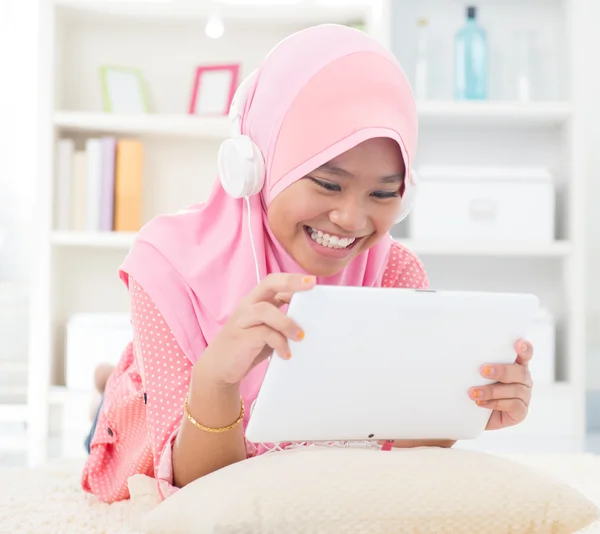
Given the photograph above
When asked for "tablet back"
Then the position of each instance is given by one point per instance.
(381, 363)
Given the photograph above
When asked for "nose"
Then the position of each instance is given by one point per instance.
(350, 215)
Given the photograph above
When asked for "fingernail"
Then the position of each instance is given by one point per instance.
(524, 348)
(308, 280)
(300, 335)
(480, 403)
(288, 355)
(487, 370)
(476, 393)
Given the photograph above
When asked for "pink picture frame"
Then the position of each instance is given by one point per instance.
(213, 89)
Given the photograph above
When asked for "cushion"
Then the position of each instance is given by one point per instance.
(334, 490)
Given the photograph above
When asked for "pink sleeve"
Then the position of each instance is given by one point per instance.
(404, 270)
(166, 373)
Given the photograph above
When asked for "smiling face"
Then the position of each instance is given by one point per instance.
(341, 209)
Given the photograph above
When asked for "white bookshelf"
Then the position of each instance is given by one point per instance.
(76, 272)
(544, 132)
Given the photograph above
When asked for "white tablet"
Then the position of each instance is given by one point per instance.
(383, 363)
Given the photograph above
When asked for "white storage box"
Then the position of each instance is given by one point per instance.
(485, 204)
(542, 336)
(93, 339)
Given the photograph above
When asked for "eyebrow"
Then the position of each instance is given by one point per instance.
(343, 173)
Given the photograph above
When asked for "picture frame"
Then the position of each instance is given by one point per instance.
(124, 90)
(213, 89)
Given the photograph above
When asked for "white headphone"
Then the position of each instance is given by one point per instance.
(241, 164)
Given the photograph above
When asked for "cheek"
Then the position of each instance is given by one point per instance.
(291, 209)
(384, 217)
(286, 214)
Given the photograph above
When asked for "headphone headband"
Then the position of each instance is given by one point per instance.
(236, 109)
(241, 164)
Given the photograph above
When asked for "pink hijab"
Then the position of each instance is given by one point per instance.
(317, 94)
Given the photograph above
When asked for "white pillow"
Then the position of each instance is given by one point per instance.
(334, 490)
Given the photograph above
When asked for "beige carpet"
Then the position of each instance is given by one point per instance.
(49, 500)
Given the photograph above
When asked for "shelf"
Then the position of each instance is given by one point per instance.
(61, 395)
(124, 240)
(13, 443)
(110, 240)
(297, 13)
(13, 391)
(558, 249)
(494, 113)
(12, 366)
(13, 413)
(217, 128)
(150, 125)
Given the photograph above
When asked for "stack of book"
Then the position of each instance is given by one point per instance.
(99, 189)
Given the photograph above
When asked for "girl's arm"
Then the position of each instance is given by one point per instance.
(197, 452)
(180, 452)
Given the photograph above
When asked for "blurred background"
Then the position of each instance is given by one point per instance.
(113, 111)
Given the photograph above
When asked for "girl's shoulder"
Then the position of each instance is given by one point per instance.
(404, 269)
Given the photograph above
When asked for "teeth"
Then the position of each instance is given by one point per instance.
(330, 241)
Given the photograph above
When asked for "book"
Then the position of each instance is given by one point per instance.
(107, 183)
(128, 186)
(93, 149)
(64, 178)
(78, 196)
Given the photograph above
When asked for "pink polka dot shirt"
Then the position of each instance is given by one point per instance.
(143, 401)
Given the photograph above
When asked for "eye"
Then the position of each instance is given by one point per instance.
(329, 186)
(386, 194)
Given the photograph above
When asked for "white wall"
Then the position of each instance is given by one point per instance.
(18, 172)
(592, 109)
(18, 109)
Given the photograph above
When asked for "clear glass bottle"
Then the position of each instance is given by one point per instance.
(421, 67)
(471, 60)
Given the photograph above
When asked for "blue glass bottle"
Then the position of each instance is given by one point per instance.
(471, 60)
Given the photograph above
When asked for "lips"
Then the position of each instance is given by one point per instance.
(329, 240)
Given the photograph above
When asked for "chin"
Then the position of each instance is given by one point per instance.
(324, 267)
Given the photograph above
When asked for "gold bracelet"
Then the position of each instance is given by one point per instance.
(214, 430)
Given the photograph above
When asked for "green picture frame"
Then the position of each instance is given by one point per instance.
(124, 90)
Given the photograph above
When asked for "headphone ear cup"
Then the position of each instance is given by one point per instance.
(241, 167)
(408, 198)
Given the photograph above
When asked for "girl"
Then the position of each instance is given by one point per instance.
(329, 129)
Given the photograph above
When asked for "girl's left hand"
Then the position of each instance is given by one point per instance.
(510, 396)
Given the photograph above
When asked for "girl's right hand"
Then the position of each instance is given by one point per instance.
(255, 329)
